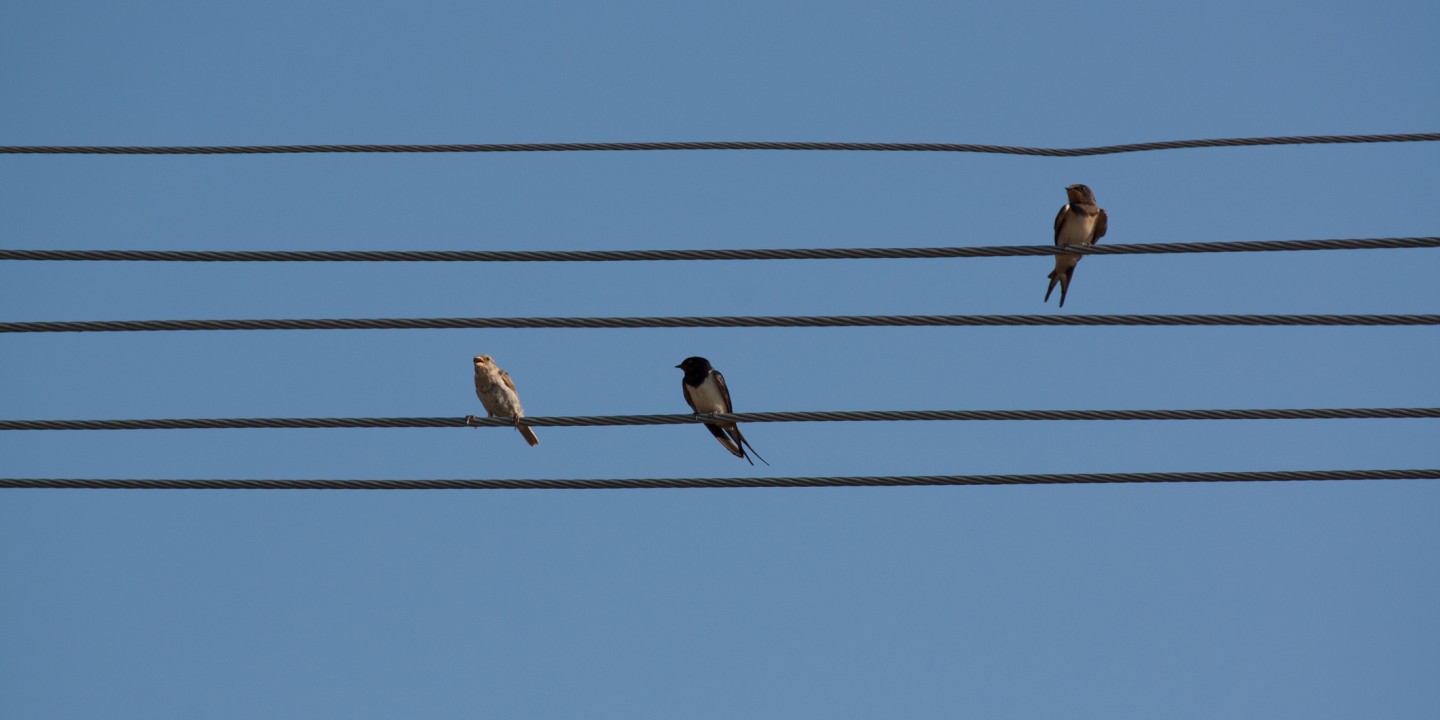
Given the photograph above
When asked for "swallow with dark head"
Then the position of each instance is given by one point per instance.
(1080, 222)
(706, 393)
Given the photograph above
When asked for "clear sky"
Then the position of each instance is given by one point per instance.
(1305, 600)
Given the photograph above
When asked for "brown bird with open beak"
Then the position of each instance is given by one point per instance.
(497, 393)
(706, 393)
(1080, 222)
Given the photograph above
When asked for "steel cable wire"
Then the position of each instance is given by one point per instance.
(721, 254)
(611, 323)
(741, 482)
(747, 417)
(711, 145)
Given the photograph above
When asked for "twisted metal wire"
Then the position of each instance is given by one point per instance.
(677, 483)
(749, 417)
(736, 254)
(622, 146)
(612, 323)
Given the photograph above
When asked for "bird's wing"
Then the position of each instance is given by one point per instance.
(1060, 220)
(508, 382)
(725, 440)
(724, 391)
(688, 400)
(1101, 224)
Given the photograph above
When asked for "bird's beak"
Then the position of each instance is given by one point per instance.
(677, 366)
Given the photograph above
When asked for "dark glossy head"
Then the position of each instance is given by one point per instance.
(694, 364)
(1079, 193)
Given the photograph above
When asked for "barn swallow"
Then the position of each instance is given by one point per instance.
(1080, 222)
(706, 393)
(497, 393)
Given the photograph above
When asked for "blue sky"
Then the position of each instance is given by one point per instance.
(1299, 600)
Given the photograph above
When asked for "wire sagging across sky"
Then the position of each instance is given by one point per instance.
(750, 321)
(746, 417)
(918, 253)
(734, 482)
(711, 145)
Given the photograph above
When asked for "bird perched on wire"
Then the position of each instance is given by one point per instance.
(706, 393)
(1080, 222)
(497, 393)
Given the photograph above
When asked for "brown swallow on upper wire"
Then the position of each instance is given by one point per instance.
(1080, 222)
(706, 393)
(497, 393)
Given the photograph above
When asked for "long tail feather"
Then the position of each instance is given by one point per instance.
(725, 440)
(528, 434)
(1051, 289)
(735, 432)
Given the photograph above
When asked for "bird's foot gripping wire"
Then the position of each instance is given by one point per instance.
(470, 421)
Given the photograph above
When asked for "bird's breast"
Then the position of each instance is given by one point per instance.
(498, 400)
(1077, 229)
(707, 397)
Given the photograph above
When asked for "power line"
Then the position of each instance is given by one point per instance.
(747, 321)
(750, 417)
(736, 254)
(760, 482)
(627, 146)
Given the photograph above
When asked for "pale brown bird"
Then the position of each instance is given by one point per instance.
(497, 393)
(1080, 222)
(706, 393)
